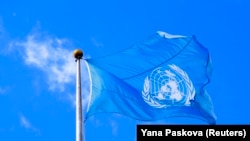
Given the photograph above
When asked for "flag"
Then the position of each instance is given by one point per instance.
(163, 76)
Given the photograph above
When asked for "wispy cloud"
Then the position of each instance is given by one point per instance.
(53, 56)
(25, 123)
(49, 55)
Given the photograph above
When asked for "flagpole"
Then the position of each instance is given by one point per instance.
(79, 130)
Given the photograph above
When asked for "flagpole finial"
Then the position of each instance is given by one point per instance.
(78, 54)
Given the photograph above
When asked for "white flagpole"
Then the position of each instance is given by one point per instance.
(79, 130)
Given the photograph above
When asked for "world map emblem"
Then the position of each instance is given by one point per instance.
(168, 86)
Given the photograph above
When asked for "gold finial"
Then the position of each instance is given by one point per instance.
(78, 54)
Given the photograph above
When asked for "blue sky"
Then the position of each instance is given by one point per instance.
(37, 75)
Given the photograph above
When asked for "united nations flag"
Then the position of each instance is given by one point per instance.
(160, 77)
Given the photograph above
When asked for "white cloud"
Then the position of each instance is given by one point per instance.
(53, 56)
(49, 55)
(27, 125)
(24, 122)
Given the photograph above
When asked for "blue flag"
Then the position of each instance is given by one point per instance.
(160, 77)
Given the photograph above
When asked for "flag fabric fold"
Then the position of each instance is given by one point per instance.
(160, 77)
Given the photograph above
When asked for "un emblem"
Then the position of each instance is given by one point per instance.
(169, 86)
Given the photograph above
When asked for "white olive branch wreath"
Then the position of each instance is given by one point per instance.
(188, 83)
